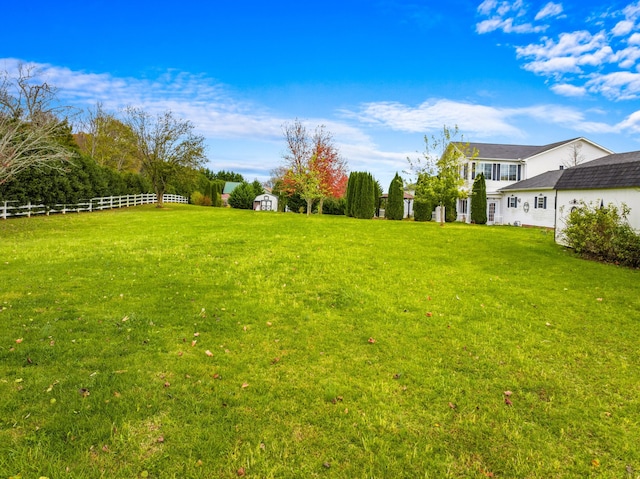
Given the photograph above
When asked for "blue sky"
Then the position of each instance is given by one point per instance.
(378, 74)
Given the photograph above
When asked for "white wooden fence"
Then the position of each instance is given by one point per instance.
(94, 204)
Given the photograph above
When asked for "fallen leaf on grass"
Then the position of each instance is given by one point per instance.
(125, 319)
(216, 376)
(371, 340)
(19, 340)
(241, 472)
(208, 353)
(599, 299)
(193, 343)
(268, 323)
(160, 439)
(275, 360)
(245, 385)
(397, 376)
(84, 392)
(196, 334)
(429, 314)
(595, 463)
(167, 384)
(507, 393)
(508, 402)
(452, 406)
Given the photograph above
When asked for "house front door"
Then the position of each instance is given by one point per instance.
(491, 217)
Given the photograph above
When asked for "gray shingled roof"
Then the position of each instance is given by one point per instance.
(612, 171)
(497, 151)
(546, 180)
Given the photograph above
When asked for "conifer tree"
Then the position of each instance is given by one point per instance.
(479, 201)
(395, 202)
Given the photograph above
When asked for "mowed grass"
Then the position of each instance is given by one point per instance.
(336, 348)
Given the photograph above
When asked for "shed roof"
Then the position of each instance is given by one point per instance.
(612, 171)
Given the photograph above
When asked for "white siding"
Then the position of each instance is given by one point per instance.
(543, 217)
(567, 199)
(266, 202)
(553, 159)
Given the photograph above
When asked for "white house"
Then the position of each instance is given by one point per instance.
(265, 202)
(612, 179)
(506, 165)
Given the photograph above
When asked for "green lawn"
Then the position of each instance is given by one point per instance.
(205, 342)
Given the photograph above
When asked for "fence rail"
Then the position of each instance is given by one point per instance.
(7, 208)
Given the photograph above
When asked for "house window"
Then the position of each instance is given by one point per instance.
(509, 173)
(465, 171)
(473, 170)
(463, 207)
(512, 202)
(486, 169)
(540, 202)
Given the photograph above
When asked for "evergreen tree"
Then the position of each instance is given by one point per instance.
(395, 203)
(479, 201)
(242, 196)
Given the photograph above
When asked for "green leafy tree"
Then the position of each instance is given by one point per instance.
(109, 141)
(479, 200)
(167, 148)
(395, 202)
(440, 168)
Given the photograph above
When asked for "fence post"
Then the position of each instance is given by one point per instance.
(4, 211)
(29, 210)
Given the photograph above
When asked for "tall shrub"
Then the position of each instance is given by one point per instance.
(422, 209)
(602, 233)
(395, 203)
(479, 201)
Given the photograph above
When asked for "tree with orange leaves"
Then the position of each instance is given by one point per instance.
(313, 166)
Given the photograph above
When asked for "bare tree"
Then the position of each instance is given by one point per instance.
(166, 147)
(30, 125)
(575, 156)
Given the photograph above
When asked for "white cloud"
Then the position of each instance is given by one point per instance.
(505, 16)
(565, 89)
(616, 85)
(631, 123)
(603, 62)
(479, 120)
(486, 7)
(549, 10)
(476, 121)
(623, 27)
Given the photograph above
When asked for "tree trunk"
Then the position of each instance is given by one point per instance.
(320, 206)
(160, 199)
(309, 206)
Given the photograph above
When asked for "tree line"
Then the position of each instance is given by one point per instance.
(43, 161)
